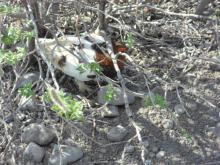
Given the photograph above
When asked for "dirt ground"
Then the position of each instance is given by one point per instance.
(175, 54)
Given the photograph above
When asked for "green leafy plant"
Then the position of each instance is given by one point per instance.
(8, 9)
(93, 66)
(12, 37)
(110, 93)
(183, 132)
(26, 90)
(12, 58)
(65, 105)
(15, 35)
(130, 40)
(157, 99)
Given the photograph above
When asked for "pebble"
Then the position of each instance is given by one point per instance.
(148, 162)
(34, 152)
(146, 143)
(129, 149)
(151, 155)
(192, 105)
(27, 78)
(155, 149)
(110, 111)
(117, 133)
(20, 116)
(28, 104)
(217, 130)
(63, 155)
(215, 66)
(37, 133)
(179, 109)
(160, 154)
(9, 118)
(118, 100)
(167, 123)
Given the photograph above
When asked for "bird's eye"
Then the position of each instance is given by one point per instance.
(91, 76)
(87, 38)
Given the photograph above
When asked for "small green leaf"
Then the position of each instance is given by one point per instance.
(110, 93)
(94, 66)
(26, 90)
(7, 40)
(130, 40)
(157, 99)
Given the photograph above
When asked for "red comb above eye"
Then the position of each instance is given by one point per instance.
(121, 49)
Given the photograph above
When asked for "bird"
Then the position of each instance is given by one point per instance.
(68, 52)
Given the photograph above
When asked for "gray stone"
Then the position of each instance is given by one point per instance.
(63, 155)
(155, 149)
(146, 143)
(216, 65)
(9, 118)
(37, 133)
(167, 123)
(148, 162)
(34, 153)
(192, 105)
(129, 149)
(117, 133)
(27, 78)
(160, 154)
(28, 104)
(20, 116)
(218, 142)
(151, 155)
(110, 111)
(118, 100)
(179, 109)
(217, 130)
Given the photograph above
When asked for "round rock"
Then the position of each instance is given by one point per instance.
(63, 155)
(117, 133)
(110, 111)
(37, 133)
(179, 109)
(217, 130)
(34, 153)
(27, 78)
(129, 149)
(160, 154)
(167, 123)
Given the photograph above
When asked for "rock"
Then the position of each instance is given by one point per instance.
(217, 130)
(155, 149)
(192, 105)
(63, 155)
(37, 133)
(117, 133)
(218, 142)
(129, 149)
(167, 123)
(146, 143)
(148, 162)
(20, 116)
(9, 118)
(34, 152)
(110, 111)
(160, 154)
(118, 99)
(151, 155)
(27, 78)
(28, 104)
(179, 109)
(215, 66)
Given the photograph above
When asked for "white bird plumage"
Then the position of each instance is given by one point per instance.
(61, 54)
